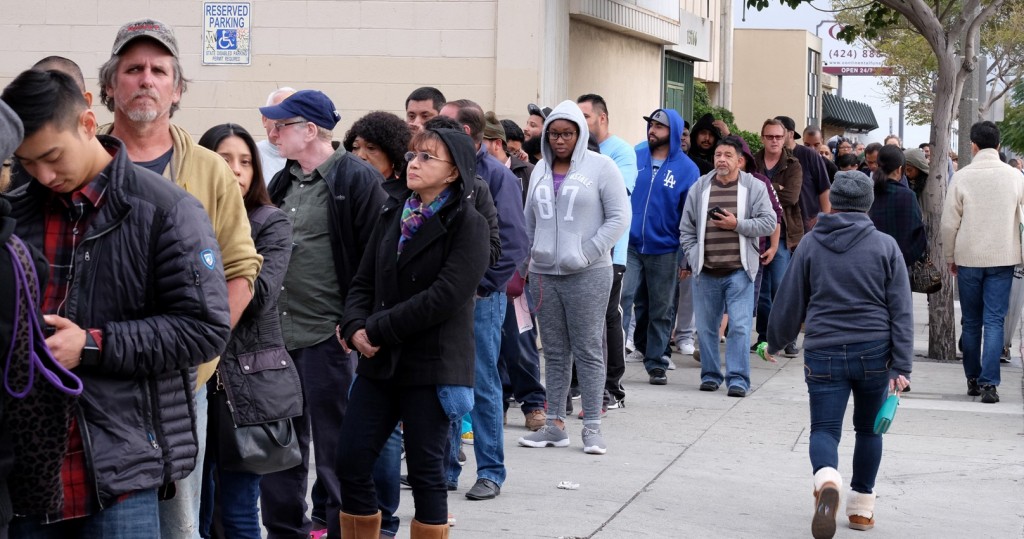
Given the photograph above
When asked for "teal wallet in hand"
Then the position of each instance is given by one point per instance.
(886, 414)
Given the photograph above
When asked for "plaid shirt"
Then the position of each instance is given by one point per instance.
(66, 221)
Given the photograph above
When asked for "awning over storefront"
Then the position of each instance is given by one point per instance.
(847, 114)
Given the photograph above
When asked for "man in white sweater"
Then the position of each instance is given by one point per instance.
(981, 241)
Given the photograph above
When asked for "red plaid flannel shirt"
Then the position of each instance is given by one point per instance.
(67, 218)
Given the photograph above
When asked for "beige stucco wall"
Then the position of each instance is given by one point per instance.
(770, 84)
(624, 70)
(366, 55)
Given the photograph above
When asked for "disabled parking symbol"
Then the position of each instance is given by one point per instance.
(227, 40)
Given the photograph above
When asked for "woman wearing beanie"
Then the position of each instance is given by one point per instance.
(846, 274)
(895, 210)
(576, 209)
(409, 313)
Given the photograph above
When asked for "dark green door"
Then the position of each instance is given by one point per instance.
(679, 86)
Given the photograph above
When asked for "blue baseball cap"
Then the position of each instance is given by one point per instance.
(312, 105)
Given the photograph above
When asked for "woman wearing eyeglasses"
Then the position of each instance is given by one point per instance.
(409, 314)
(576, 209)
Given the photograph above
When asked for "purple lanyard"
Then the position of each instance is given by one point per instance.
(35, 332)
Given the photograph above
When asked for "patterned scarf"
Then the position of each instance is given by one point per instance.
(415, 213)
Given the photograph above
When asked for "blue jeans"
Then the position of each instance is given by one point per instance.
(385, 481)
(712, 297)
(519, 362)
(831, 374)
(136, 517)
(659, 273)
(487, 413)
(771, 280)
(984, 300)
(179, 516)
(235, 496)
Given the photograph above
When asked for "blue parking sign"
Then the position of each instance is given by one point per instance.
(227, 40)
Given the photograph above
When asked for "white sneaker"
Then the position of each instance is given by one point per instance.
(686, 349)
(630, 346)
(671, 364)
(635, 357)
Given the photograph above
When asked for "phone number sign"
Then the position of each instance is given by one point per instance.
(227, 33)
(841, 58)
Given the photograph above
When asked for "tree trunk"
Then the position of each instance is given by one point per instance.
(941, 328)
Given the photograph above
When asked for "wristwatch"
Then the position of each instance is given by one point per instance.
(91, 351)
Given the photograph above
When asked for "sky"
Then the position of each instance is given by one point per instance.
(863, 89)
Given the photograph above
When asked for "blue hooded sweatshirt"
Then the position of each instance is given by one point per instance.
(658, 199)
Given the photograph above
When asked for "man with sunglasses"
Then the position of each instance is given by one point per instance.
(787, 176)
(332, 199)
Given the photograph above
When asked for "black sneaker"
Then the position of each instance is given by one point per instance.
(574, 392)
(972, 387)
(737, 391)
(790, 350)
(1005, 356)
(989, 395)
(568, 404)
(709, 386)
(658, 377)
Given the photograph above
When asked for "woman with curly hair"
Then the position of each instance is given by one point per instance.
(381, 139)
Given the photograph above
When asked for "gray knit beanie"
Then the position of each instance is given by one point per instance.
(11, 131)
(852, 190)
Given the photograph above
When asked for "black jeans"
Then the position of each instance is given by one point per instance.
(615, 339)
(375, 406)
(326, 372)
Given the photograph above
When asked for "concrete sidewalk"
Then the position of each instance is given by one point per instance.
(682, 463)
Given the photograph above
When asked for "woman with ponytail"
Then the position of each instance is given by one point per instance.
(895, 210)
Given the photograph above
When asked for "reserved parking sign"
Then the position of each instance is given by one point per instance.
(227, 33)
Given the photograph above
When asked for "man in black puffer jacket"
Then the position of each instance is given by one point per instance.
(135, 301)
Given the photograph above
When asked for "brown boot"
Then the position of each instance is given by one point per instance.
(827, 486)
(419, 530)
(860, 508)
(360, 527)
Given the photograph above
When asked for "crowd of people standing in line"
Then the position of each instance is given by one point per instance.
(412, 264)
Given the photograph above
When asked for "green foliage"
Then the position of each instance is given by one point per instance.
(1011, 129)
(876, 18)
(702, 105)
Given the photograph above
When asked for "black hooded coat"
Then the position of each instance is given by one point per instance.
(705, 123)
(418, 307)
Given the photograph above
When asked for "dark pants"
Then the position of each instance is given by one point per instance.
(376, 406)
(643, 320)
(326, 372)
(519, 363)
(615, 340)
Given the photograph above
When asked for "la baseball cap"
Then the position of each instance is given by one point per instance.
(659, 116)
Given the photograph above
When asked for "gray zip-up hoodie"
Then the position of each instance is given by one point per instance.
(849, 282)
(575, 230)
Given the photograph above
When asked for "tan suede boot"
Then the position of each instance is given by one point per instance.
(419, 530)
(860, 508)
(360, 527)
(827, 486)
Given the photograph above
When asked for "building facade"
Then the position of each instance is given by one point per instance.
(369, 55)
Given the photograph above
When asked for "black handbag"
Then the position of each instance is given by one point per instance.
(260, 448)
(925, 277)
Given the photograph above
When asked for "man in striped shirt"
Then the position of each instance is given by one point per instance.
(724, 217)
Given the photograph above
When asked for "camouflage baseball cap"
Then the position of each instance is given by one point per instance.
(150, 28)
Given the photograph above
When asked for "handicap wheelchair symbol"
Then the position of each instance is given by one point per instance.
(227, 40)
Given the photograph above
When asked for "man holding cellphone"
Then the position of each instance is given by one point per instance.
(724, 217)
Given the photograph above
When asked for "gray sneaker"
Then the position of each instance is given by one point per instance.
(547, 436)
(593, 442)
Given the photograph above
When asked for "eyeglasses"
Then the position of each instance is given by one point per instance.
(423, 156)
(567, 135)
(280, 126)
(773, 137)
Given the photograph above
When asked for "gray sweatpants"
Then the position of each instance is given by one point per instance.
(570, 313)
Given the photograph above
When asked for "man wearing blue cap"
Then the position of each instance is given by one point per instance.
(332, 199)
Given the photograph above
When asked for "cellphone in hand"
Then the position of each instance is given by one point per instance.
(715, 211)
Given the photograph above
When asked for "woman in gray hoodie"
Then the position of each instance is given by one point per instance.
(576, 209)
(848, 283)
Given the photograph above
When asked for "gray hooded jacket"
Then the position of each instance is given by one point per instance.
(576, 229)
